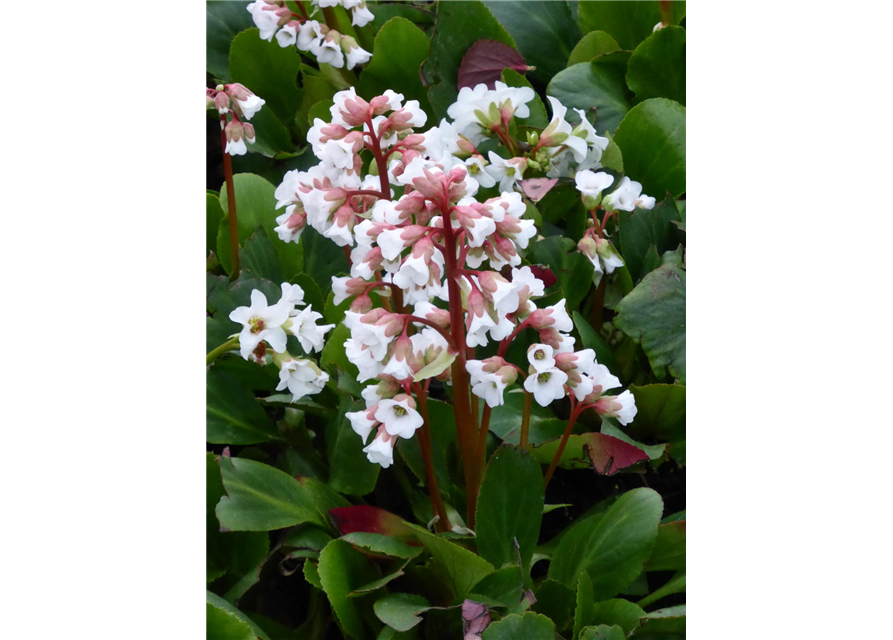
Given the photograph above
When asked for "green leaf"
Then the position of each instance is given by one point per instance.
(262, 498)
(530, 626)
(676, 584)
(653, 314)
(538, 116)
(223, 21)
(652, 139)
(544, 30)
(322, 259)
(462, 568)
(661, 412)
(459, 25)
(216, 602)
(573, 269)
(255, 207)
(603, 632)
(614, 549)
(669, 550)
(657, 66)
(443, 432)
(594, 43)
(382, 544)
(612, 157)
(584, 603)
(233, 414)
(663, 624)
(267, 70)
(594, 86)
(401, 611)
(510, 507)
(628, 22)
(610, 427)
(556, 601)
(502, 588)
(622, 613)
(222, 624)
(440, 364)
(341, 569)
(213, 216)
(646, 228)
(350, 471)
(605, 453)
(311, 574)
(591, 339)
(399, 51)
(505, 421)
(259, 259)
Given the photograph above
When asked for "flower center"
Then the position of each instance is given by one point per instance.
(544, 377)
(399, 411)
(257, 324)
(539, 355)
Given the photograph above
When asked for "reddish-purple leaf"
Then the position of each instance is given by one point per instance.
(484, 62)
(609, 454)
(368, 519)
(545, 274)
(475, 618)
(536, 188)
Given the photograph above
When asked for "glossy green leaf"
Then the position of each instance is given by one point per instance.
(213, 216)
(433, 369)
(644, 229)
(610, 427)
(530, 626)
(502, 588)
(594, 43)
(538, 116)
(661, 412)
(222, 624)
(676, 584)
(399, 51)
(341, 569)
(652, 139)
(544, 30)
(401, 611)
(510, 507)
(653, 314)
(598, 88)
(459, 25)
(322, 259)
(505, 421)
(573, 269)
(663, 624)
(614, 549)
(311, 574)
(628, 22)
(462, 568)
(221, 605)
(259, 259)
(618, 611)
(657, 66)
(669, 550)
(584, 603)
(591, 339)
(255, 207)
(603, 632)
(612, 157)
(556, 601)
(224, 20)
(350, 471)
(267, 70)
(233, 414)
(262, 498)
(602, 452)
(382, 544)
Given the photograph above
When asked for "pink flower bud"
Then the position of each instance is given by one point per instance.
(361, 304)
(248, 130)
(221, 102)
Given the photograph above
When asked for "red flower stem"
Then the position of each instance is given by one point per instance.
(575, 412)
(424, 435)
(485, 429)
(380, 161)
(471, 457)
(525, 418)
(235, 260)
(438, 328)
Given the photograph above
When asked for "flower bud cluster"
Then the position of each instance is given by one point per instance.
(274, 18)
(265, 325)
(239, 102)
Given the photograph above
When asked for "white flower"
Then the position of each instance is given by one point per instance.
(398, 416)
(236, 147)
(261, 322)
(622, 407)
(363, 358)
(602, 377)
(302, 377)
(362, 422)
(250, 106)
(524, 277)
(479, 229)
(339, 289)
(541, 357)
(381, 450)
(305, 329)
(287, 35)
(627, 196)
(309, 36)
(546, 386)
(361, 15)
(413, 272)
(373, 336)
(486, 385)
(265, 18)
(591, 184)
(477, 333)
(507, 172)
(391, 243)
(559, 130)
(292, 293)
(357, 56)
(558, 313)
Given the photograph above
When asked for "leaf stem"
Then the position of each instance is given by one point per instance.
(567, 432)
(229, 345)
(525, 418)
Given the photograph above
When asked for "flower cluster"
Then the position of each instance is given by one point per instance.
(274, 18)
(393, 415)
(239, 102)
(266, 325)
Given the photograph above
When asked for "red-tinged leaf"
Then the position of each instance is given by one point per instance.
(475, 618)
(366, 519)
(537, 188)
(609, 454)
(545, 274)
(484, 62)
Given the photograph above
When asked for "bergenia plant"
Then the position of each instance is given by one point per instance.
(446, 328)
